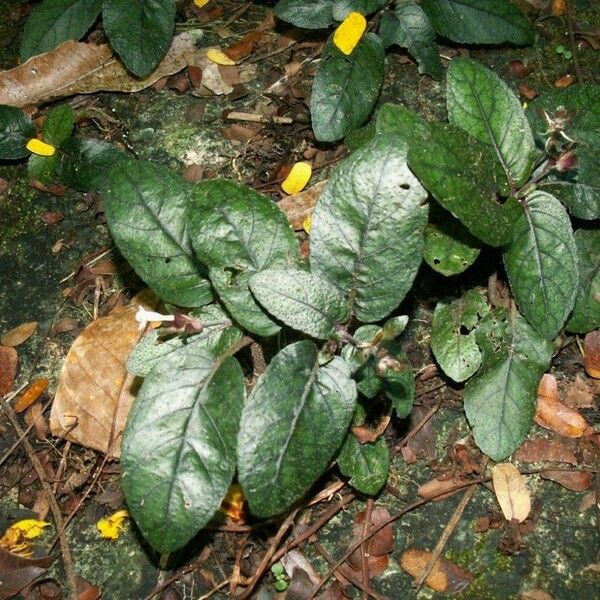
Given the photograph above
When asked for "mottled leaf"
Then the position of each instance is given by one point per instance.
(367, 465)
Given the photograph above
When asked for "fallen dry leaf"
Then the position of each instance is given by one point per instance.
(578, 481)
(587, 501)
(511, 492)
(564, 81)
(445, 577)
(553, 414)
(245, 46)
(31, 394)
(9, 361)
(591, 349)
(440, 489)
(558, 8)
(544, 450)
(19, 334)
(94, 393)
(87, 591)
(579, 393)
(535, 594)
(300, 206)
(17, 572)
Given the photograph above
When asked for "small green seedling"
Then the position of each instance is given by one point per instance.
(566, 54)
(279, 574)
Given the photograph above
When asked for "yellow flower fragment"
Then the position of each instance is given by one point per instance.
(16, 538)
(297, 179)
(40, 148)
(307, 224)
(110, 527)
(218, 57)
(201, 3)
(233, 504)
(349, 32)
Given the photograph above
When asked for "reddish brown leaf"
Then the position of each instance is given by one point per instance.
(63, 326)
(579, 393)
(245, 46)
(19, 334)
(578, 481)
(446, 577)
(564, 81)
(587, 501)
(52, 217)
(558, 8)
(34, 416)
(377, 547)
(440, 489)
(17, 572)
(527, 92)
(300, 206)
(543, 450)
(9, 361)
(591, 349)
(31, 394)
(87, 591)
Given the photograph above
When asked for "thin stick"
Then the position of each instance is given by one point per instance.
(88, 264)
(273, 53)
(175, 577)
(61, 466)
(364, 563)
(235, 115)
(58, 520)
(572, 42)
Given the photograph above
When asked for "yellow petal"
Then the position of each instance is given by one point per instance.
(349, 32)
(297, 179)
(233, 503)
(38, 147)
(29, 528)
(307, 224)
(219, 57)
(201, 3)
(110, 527)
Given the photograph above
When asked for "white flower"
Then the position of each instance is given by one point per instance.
(143, 317)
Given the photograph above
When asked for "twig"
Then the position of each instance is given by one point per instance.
(88, 264)
(448, 530)
(236, 15)
(58, 520)
(272, 53)
(572, 42)
(61, 466)
(217, 587)
(237, 568)
(235, 115)
(415, 429)
(175, 577)
(364, 563)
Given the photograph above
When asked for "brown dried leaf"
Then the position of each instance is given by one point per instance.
(87, 591)
(300, 206)
(591, 349)
(511, 492)
(377, 547)
(564, 81)
(245, 46)
(446, 577)
(19, 334)
(17, 572)
(34, 416)
(440, 489)
(543, 450)
(578, 481)
(579, 393)
(535, 594)
(94, 392)
(9, 361)
(31, 394)
(80, 68)
(587, 501)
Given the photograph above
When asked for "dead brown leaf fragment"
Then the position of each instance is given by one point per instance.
(94, 393)
(18, 335)
(511, 492)
(31, 394)
(446, 577)
(9, 361)
(577, 481)
(544, 450)
(300, 206)
(440, 489)
(17, 572)
(591, 350)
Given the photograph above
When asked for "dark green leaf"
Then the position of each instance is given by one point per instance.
(56, 21)
(367, 465)
(479, 21)
(398, 120)
(145, 209)
(43, 168)
(500, 399)
(238, 232)
(85, 163)
(409, 27)
(586, 314)
(453, 335)
(140, 31)
(360, 137)
(16, 129)
(58, 125)
(302, 300)
(292, 424)
(369, 337)
(541, 264)
(342, 8)
(367, 228)
(463, 175)
(178, 455)
(397, 378)
(314, 14)
(487, 109)
(345, 88)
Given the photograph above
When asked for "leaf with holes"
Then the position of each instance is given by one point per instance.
(487, 109)
(541, 263)
(367, 228)
(292, 424)
(178, 453)
(345, 88)
(238, 232)
(500, 400)
(453, 335)
(145, 209)
(367, 465)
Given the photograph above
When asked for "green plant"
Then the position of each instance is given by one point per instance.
(346, 87)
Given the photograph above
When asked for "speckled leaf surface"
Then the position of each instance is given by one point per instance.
(178, 456)
(479, 21)
(500, 400)
(586, 314)
(145, 209)
(16, 129)
(292, 424)
(463, 176)
(345, 88)
(453, 335)
(316, 14)
(366, 465)
(541, 264)
(341, 8)
(367, 229)
(302, 300)
(487, 109)
(238, 232)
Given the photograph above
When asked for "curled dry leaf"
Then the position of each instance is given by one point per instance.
(300, 206)
(553, 414)
(591, 349)
(94, 393)
(440, 489)
(19, 334)
(9, 361)
(511, 492)
(445, 577)
(31, 394)
(543, 450)
(577, 481)
(17, 572)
